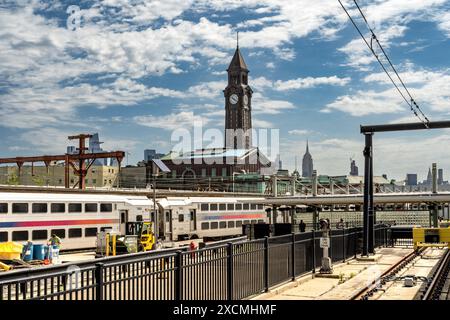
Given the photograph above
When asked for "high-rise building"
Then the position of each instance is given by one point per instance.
(440, 176)
(429, 180)
(238, 105)
(411, 179)
(94, 146)
(150, 154)
(307, 164)
(353, 168)
(71, 150)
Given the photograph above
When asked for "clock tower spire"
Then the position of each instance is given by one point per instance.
(238, 96)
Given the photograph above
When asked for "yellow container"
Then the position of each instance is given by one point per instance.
(10, 250)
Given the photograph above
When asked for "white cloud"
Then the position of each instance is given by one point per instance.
(367, 102)
(300, 83)
(258, 123)
(264, 105)
(299, 132)
(261, 83)
(47, 140)
(171, 121)
(430, 88)
(389, 20)
(309, 82)
(444, 23)
(207, 90)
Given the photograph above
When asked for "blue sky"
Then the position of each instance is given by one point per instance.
(134, 71)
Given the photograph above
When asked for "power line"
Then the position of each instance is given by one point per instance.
(411, 102)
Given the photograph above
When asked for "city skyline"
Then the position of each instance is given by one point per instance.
(135, 73)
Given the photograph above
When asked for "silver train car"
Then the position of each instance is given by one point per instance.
(76, 218)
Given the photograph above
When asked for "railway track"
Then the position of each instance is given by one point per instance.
(439, 286)
(400, 280)
(368, 291)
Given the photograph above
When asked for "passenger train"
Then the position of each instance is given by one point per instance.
(76, 218)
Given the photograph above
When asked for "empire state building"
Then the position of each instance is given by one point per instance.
(307, 164)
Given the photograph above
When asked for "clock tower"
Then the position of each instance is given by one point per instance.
(238, 105)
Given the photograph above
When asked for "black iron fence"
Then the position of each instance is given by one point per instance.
(227, 271)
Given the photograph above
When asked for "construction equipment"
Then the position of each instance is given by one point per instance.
(138, 237)
(431, 237)
(146, 238)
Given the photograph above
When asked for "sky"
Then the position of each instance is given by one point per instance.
(137, 70)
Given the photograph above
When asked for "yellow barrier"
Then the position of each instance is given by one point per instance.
(431, 237)
(113, 244)
(107, 244)
(5, 266)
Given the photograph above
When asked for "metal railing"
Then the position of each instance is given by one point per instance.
(230, 271)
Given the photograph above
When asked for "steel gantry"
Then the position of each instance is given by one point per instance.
(368, 131)
(80, 162)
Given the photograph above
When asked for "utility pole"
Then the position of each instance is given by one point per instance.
(154, 208)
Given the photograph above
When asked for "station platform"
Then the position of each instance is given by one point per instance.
(348, 278)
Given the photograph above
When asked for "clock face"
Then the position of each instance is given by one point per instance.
(245, 100)
(234, 98)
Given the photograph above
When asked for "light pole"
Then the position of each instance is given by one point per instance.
(154, 208)
(127, 157)
(157, 167)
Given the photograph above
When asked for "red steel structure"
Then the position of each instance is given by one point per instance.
(80, 162)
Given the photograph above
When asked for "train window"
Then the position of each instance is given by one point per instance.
(75, 233)
(238, 224)
(105, 228)
(90, 207)
(105, 207)
(238, 206)
(180, 217)
(19, 235)
(3, 208)
(167, 216)
(253, 221)
(3, 236)
(230, 206)
(260, 221)
(20, 208)
(222, 224)
(246, 221)
(90, 232)
(192, 213)
(245, 206)
(214, 225)
(74, 207)
(253, 206)
(39, 235)
(39, 208)
(59, 233)
(204, 207)
(213, 206)
(58, 207)
(139, 217)
(222, 206)
(260, 206)
(230, 224)
(205, 225)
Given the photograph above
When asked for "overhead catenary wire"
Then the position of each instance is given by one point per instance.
(410, 102)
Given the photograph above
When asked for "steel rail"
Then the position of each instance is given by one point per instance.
(393, 269)
(438, 276)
